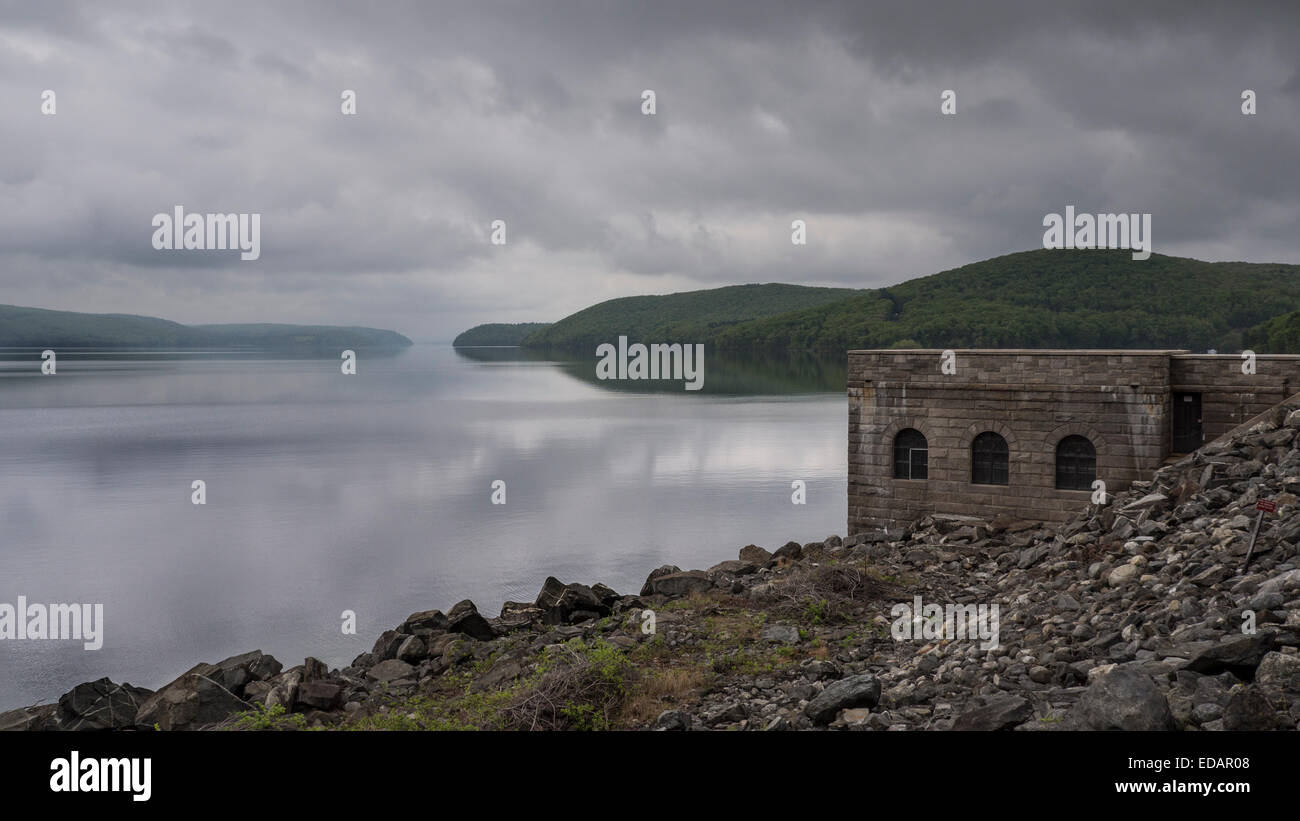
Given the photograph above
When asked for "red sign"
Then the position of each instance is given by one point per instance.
(1266, 505)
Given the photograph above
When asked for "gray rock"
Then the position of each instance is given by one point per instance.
(1279, 672)
(1122, 575)
(100, 705)
(1206, 712)
(464, 618)
(413, 650)
(235, 672)
(675, 585)
(732, 567)
(314, 669)
(284, 690)
(793, 551)
(423, 623)
(999, 713)
(673, 720)
(573, 599)
(320, 695)
(1065, 602)
(40, 717)
(190, 702)
(390, 670)
(1239, 655)
(726, 714)
(386, 645)
(1121, 699)
(1151, 500)
(1249, 709)
(519, 614)
(862, 690)
(664, 570)
(781, 634)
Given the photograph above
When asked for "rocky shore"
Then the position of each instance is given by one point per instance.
(1136, 615)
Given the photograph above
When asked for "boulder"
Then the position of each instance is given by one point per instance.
(605, 594)
(550, 593)
(999, 713)
(781, 634)
(753, 554)
(320, 695)
(313, 669)
(284, 690)
(664, 570)
(100, 705)
(1152, 501)
(1279, 672)
(40, 717)
(233, 673)
(1239, 655)
(733, 567)
(1248, 709)
(862, 690)
(386, 645)
(389, 671)
(1121, 699)
(674, 585)
(413, 650)
(673, 720)
(191, 702)
(464, 618)
(515, 615)
(791, 551)
(424, 623)
(575, 602)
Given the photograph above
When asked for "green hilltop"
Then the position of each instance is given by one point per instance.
(1048, 299)
(691, 316)
(1032, 299)
(497, 334)
(41, 328)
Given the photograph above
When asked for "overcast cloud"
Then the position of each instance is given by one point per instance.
(530, 112)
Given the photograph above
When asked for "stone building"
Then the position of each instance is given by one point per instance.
(1027, 432)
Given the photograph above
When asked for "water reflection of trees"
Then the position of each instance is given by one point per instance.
(724, 373)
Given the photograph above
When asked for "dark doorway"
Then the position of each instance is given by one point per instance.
(1187, 422)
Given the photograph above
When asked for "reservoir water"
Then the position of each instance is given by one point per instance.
(372, 492)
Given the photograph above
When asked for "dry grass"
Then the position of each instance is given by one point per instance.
(661, 690)
(830, 593)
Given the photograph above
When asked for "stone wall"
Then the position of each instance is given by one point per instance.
(1229, 397)
(1120, 400)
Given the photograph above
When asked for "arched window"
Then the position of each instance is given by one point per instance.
(988, 459)
(1076, 463)
(911, 455)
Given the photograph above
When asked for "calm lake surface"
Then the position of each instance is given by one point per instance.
(372, 493)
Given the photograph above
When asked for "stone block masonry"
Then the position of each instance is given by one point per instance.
(1120, 402)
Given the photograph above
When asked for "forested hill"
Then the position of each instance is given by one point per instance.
(691, 316)
(1033, 299)
(498, 334)
(1050, 299)
(41, 328)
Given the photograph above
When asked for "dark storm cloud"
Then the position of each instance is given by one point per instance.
(530, 112)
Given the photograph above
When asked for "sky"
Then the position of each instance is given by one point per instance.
(531, 113)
